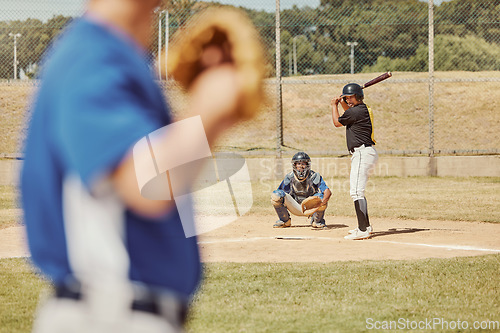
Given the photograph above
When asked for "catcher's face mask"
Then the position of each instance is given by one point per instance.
(301, 169)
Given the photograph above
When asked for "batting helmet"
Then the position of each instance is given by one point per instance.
(353, 89)
(301, 157)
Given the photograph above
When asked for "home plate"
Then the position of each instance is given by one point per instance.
(292, 238)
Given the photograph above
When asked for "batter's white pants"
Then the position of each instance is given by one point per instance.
(362, 162)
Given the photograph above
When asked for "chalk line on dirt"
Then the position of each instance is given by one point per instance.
(253, 239)
(447, 247)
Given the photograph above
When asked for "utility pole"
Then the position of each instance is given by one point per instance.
(159, 44)
(352, 45)
(15, 52)
(160, 13)
(295, 55)
(167, 23)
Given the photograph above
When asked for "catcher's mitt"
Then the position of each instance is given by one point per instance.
(311, 205)
(236, 41)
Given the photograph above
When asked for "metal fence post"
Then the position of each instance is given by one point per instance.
(278, 165)
(432, 161)
(279, 106)
(159, 45)
(167, 32)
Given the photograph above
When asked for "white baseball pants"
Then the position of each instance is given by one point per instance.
(362, 162)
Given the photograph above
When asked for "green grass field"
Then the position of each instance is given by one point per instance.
(340, 297)
(333, 297)
(293, 297)
(432, 198)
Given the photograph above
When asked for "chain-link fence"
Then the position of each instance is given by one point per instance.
(449, 107)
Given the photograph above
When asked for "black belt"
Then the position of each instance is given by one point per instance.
(150, 303)
(352, 150)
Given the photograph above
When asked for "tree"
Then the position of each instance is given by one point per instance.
(465, 17)
(390, 28)
(179, 10)
(36, 36)
(265, 24)
(451, 53)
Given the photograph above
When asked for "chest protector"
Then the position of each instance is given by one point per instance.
(301, 190)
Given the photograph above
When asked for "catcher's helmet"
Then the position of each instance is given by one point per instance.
(301, 157)
(353, 89)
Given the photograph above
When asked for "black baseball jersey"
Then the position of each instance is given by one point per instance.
(359, 126)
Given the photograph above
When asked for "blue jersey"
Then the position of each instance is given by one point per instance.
(300, 190)
(98, 96)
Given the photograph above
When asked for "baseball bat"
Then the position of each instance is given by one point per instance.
(377, 80)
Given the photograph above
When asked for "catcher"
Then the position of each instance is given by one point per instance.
(302, 192)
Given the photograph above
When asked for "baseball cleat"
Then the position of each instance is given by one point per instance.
(319, 225)
(358, 235)
(281, 224)
(369, 229)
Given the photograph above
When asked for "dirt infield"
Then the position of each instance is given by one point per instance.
(252, 239)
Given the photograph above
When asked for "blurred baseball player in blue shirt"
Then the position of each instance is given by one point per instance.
(118, 262)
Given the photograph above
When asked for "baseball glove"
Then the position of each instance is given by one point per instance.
(311, 205)
(216, 36)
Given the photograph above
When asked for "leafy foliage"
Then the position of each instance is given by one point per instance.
(391, 35)
(36, 36)
(452, 53)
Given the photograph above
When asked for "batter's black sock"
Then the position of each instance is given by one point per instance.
(361, 213)
(363, 205)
